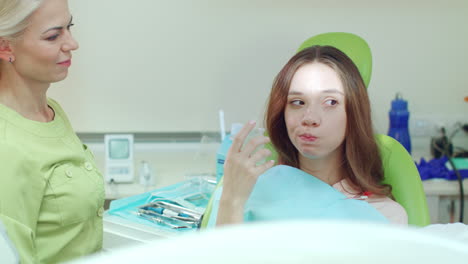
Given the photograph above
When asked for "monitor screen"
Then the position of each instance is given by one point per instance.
(119, 148)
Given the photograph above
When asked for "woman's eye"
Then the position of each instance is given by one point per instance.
(54, 37)
(296, 102)
(331, 102)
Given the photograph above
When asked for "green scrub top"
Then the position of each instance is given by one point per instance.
(51, 193)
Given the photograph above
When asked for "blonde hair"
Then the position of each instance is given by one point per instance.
(14, 16)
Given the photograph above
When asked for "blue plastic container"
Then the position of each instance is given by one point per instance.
(399, 116)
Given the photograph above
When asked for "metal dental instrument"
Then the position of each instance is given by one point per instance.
(160, 221)
(169, 214)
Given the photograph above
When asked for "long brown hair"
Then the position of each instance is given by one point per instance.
(362, 160)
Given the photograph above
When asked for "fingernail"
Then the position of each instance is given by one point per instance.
(252, 122)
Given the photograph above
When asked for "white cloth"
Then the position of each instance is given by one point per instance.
(455, 231)
(295, 242)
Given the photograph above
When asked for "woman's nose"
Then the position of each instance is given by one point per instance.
(312, 117)
(70, 43)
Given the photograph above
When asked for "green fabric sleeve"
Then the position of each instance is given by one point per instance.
(20, 200)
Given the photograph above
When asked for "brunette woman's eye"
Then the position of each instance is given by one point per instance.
(331, 102)
(296, 102)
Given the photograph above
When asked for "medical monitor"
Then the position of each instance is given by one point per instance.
(119, 157)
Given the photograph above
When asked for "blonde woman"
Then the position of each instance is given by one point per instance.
(51, 193)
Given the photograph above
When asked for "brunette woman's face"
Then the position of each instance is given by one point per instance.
(315, 112)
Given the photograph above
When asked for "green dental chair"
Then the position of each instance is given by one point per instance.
(399, 168)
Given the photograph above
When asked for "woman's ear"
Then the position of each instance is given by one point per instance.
(6, 53)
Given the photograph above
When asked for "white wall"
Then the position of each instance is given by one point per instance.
(168, 66)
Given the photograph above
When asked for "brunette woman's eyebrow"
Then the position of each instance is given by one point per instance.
(333, 91)
(328, 91)
(295, 93)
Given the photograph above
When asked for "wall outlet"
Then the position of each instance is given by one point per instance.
(421, 127)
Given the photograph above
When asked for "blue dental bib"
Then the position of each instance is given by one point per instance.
(286, 193)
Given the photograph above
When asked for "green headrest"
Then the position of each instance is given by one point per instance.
(352, 45)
